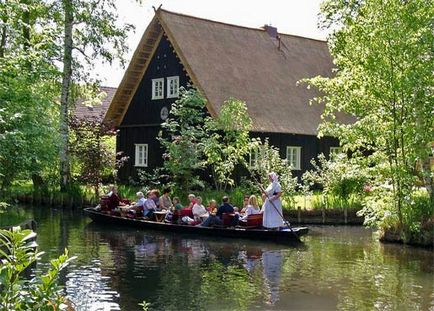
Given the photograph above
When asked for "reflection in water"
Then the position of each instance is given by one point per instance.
(88, 290)
(272, 265)
(338, 268)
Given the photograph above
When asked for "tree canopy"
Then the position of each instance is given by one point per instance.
(383, 53)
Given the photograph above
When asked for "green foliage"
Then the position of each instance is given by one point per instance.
(145, 305)
(27, 114)
(227, 141)
(92, 153)
(338, 176)
(41, 292)
(267, 159)
(383, 79)
(34, 45)
(181, 138)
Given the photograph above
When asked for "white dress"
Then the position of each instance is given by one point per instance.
(272, 218)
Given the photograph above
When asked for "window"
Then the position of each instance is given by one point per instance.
(157, 88)
(172, 87)
(141, 158)
(293, 154)
(253, 158)
(335, 150)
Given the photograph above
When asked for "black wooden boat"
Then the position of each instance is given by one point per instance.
(282, 236)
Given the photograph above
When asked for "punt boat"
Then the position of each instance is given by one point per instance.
(285, 235)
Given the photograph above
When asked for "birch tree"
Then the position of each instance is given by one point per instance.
(90, 31)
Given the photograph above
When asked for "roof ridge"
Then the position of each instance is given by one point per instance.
(233, 25)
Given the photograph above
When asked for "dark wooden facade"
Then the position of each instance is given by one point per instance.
(311, 147)
(142, 122)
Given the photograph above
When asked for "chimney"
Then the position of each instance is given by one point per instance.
(272, 31)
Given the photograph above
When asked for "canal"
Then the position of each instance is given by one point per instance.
(337, 268)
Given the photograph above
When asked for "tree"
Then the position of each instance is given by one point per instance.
(27, 92)
(181, 137)
(265, 158)
(227, 141)
(383, 51)
(91, 150)
(89, 31)
(47, 49)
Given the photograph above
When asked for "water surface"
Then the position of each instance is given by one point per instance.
(342, 268)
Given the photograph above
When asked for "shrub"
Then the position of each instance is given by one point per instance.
(41, 292)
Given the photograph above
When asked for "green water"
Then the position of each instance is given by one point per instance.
(337, 268)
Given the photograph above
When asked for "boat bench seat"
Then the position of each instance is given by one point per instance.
(227, 218)
(252, 222)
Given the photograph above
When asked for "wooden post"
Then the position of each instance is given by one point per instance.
(345, 215)
(299, 214)
(323, 210)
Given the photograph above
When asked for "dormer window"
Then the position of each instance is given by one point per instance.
(158, 88)
(172, 86)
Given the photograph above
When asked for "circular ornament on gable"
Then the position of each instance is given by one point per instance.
(164, 113)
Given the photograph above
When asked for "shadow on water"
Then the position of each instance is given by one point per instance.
(337, 268)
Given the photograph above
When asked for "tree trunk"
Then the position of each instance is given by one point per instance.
(26, 25)
(3, 36)
(65, 96)
(428, 181)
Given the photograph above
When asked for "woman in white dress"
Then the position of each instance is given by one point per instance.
(272, 218)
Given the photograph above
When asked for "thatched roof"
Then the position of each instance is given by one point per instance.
(225, 61)
(99, 111)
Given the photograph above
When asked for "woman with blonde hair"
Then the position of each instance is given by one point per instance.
(252, 207)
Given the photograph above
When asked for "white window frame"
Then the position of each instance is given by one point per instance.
(253, 158)
(171, 94)
(155, 83)
(138, 162)
(297, 160)
(335, 150)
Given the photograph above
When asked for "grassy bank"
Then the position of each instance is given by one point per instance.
(81, 195)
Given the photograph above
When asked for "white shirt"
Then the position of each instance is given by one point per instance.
(199, 210)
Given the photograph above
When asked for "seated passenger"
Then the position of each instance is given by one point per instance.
(199, 211)
(177, 204)
(212, 207)
(245, 203)
(225, 208)
(156, 198)
(113, 198)
(191, 200)
(165, 203)
(251, 208)
(149, 205)
(138, 208)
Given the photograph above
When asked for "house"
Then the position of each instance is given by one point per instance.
(98, 111)
(258, 66)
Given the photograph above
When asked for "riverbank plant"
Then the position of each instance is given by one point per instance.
(18, 253)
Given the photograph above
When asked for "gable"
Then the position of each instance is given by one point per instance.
(143, 110)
